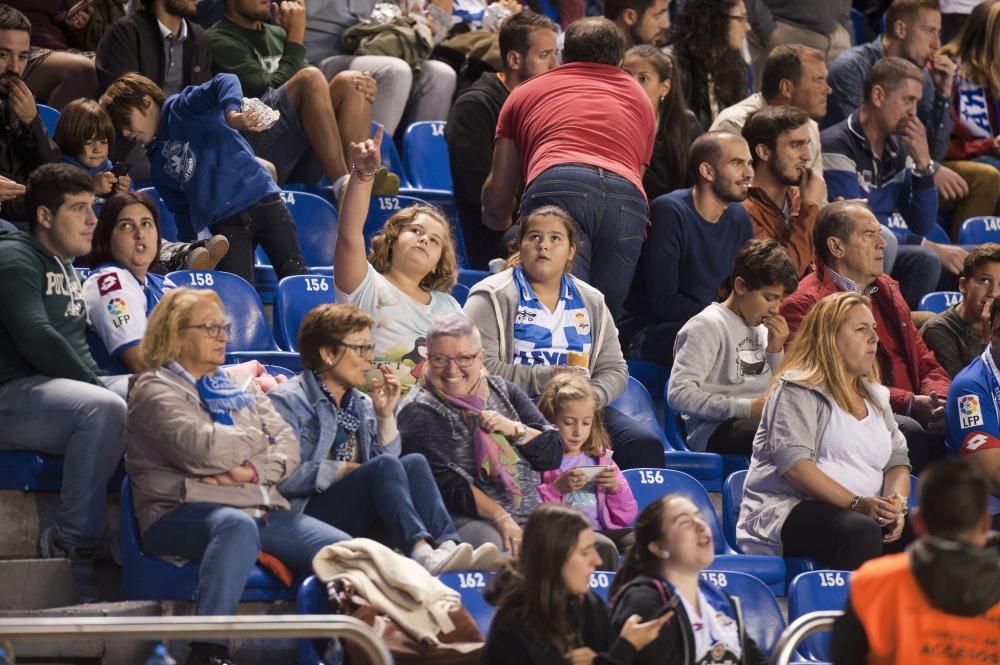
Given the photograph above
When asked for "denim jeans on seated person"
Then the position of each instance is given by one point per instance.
(227, 541)
(86, 425)
(397, 493)
(612, 215)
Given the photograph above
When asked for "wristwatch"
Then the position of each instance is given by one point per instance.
(519, 431)
(932, 169)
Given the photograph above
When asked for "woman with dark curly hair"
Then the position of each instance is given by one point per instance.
(405, 280)
(713, 72)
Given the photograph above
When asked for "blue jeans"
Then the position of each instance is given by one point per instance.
(228, 540)
(86, 425)
(612, 215)
(636, 446)
(397, 492)
(918, 270)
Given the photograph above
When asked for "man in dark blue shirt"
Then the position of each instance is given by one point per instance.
(689, 252)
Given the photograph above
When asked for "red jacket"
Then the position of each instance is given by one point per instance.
(923, 366)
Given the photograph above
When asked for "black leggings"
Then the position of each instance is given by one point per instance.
(837, 537)
(267, 223)
(734, 437)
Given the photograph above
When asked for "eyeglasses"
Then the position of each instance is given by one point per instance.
(360, 349)
(214, 329)
(440, 361)
(742, 18)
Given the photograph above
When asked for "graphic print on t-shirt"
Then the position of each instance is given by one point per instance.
(751, 359)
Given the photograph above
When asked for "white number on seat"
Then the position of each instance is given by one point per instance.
(316, 284)
(201, 279)
(599, 581)
(471, 580)
(388, 203)
(831, 579)
(718, 579)
(288, 198)
(650, 477)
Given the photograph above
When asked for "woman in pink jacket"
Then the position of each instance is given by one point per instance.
(587, 478)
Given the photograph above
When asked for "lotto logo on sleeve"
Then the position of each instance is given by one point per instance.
(969, 413)
(978, 441)
(108, 283)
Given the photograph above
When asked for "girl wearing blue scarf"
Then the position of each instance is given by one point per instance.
(205, 457)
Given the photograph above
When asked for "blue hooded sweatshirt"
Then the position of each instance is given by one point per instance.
(202, 168)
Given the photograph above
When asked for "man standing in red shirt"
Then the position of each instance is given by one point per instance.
(581, 136)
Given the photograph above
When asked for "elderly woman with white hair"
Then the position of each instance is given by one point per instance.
(482, 435)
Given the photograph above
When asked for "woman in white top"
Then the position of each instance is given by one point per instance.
(406, 279)
(829, 474)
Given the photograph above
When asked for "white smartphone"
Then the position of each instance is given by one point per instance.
(592, 471)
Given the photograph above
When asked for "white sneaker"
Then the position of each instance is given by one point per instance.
(485, 557)
(444, 561)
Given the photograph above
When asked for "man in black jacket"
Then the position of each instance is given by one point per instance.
(24, 144)
(527, 47)
(163, 44)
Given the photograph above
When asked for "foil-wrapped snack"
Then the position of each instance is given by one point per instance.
(383, 12)
(267, 115)
(495, 15)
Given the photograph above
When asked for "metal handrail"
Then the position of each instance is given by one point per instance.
(201, 627)
(800, 629)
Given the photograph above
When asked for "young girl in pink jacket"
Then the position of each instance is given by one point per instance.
(587, 478)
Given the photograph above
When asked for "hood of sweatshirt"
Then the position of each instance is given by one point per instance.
(958, 578)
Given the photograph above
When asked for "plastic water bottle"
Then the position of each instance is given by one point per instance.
(160, 656)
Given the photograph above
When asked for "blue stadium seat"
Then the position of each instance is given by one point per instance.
(312, 598)
(168, 226)
(939, 301)
(675, 429)
(425, 156)
(50, 118)
(761, 613)
(600, 583)
(813, 592)
(146, 577)
(977, 230)
(652, 375)
(390, 157)
(30, 471)
(857, 27)
(460, 292)
(898, 226)
(939, 235)
(470, 277)
(636, 403)
(470, 585)
(648, 485)
(383, 207)
(732, 498)
(251, 339)
(293, 299)
(278, 370)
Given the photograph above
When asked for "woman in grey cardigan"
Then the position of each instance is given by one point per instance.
(537, 320)
(829, 474)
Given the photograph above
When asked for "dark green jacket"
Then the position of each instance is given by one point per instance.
(261, 59)
(43, 316)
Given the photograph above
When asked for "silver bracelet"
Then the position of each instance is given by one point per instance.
(855, 502)
(363, 174)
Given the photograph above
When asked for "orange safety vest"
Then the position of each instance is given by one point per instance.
(903, 628)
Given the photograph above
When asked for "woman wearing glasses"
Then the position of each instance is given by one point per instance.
(205, 458)
(485, 440)
(351, 474)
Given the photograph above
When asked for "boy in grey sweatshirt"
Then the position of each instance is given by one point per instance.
(725, 355)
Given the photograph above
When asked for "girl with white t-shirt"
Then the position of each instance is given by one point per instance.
(673, 545)
(829, 474)
(405, 280)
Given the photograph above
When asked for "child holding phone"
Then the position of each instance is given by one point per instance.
(83, 135)
(587, 478)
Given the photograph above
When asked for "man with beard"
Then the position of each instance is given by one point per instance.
(690, 248)
(880, 154)
(527, 47)
(24, 143)
(319, 119)
(164, 45)
(640, 21)
(912, 31)
(786, 194)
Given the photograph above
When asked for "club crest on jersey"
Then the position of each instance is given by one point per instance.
(969, 413)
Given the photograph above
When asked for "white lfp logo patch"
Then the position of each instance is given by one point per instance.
(969, 413)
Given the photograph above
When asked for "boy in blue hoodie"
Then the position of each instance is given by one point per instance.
(205, 171)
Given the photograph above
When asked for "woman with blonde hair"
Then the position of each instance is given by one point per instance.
(829, 474)
(976, 52)
(406, 279)
(205, 457)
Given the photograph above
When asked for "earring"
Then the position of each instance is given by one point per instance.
(662, 97)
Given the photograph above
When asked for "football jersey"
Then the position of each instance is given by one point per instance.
(118, 304)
